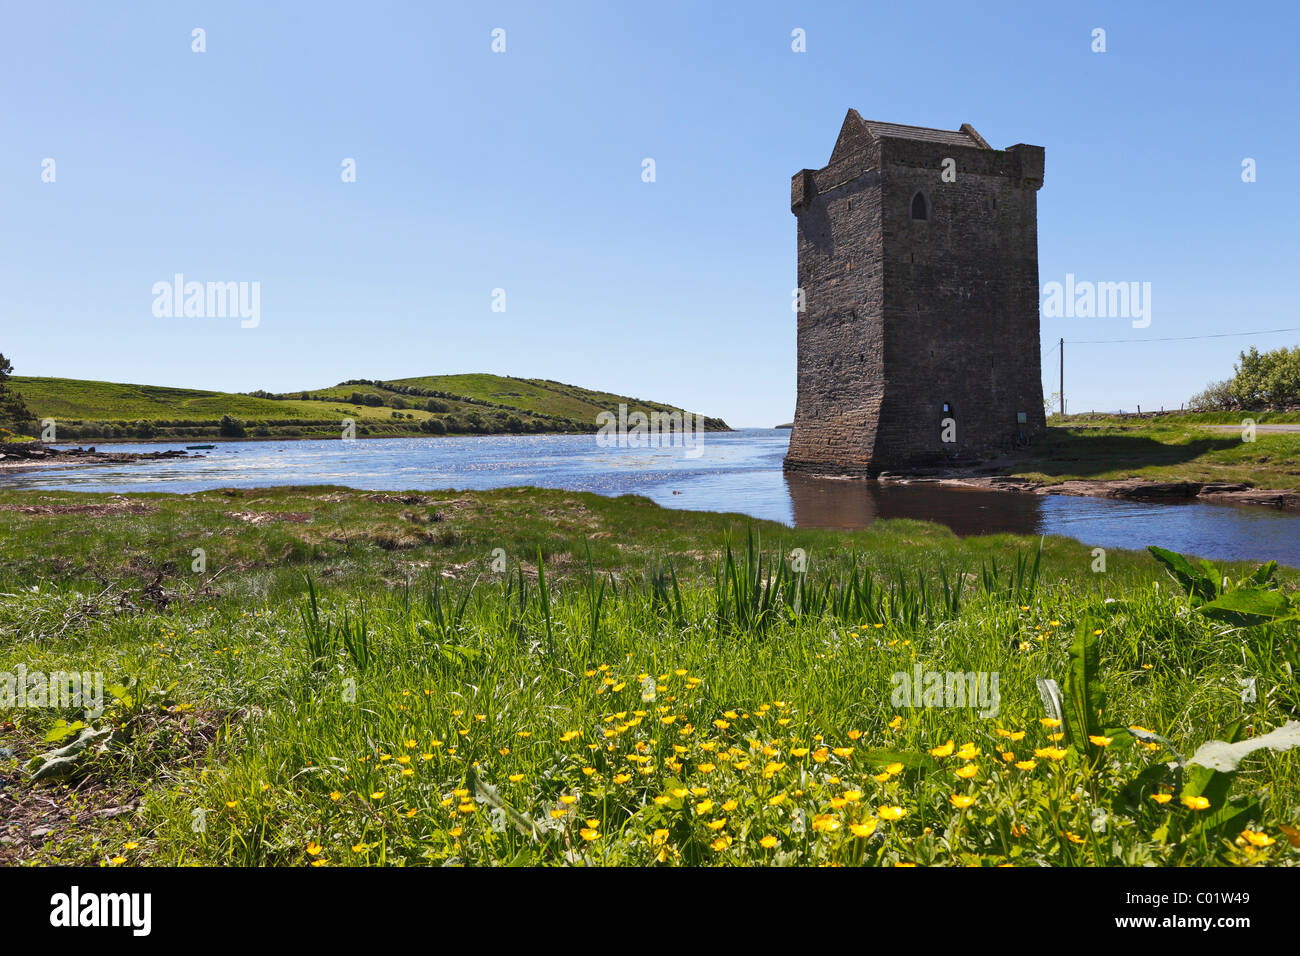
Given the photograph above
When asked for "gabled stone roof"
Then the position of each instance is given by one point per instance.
(856, 131)
(966, 136)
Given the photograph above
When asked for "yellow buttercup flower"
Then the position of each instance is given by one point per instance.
(1161, 797)
(1196, 803)
(1099, 740)
(767, 842)
(891, 813)
(944, 750)
(961, 801)
(1255, 838)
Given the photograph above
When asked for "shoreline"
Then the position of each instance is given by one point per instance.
(1129, 489)
(35, 455)
(21, 456)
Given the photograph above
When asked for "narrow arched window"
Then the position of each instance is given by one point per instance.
(920, 207)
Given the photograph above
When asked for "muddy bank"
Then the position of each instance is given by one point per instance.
(34, 454)
(1134, 489)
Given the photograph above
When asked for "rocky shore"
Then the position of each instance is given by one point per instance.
(36, 454)
(1134, 489)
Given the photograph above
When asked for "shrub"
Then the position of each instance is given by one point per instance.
(1217, 396)
(1267, 378)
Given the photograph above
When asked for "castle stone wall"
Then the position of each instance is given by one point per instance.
(903, 316)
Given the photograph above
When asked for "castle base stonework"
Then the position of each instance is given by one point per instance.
(918, 340)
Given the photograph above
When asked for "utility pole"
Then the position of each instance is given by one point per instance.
(1062, 378)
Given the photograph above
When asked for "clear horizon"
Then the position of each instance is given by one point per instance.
(522, 171)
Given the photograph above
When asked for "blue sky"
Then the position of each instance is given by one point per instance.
(522, 171)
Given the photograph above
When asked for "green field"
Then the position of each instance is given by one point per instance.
(534, 395)
(1167, 448)
(546, 677)
(463, 404)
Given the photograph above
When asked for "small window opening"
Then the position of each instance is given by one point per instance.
(920, 207)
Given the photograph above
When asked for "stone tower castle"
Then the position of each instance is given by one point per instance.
(918, 266)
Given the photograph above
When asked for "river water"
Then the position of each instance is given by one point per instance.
(734, 471)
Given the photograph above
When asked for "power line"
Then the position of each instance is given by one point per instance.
(1178, 338)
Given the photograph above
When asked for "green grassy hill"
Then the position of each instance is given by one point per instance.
(65, 399)
(535, 395)
(432, 405)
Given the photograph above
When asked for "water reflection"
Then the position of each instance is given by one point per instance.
(827, 503)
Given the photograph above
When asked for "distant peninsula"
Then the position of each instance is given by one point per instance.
(468, 404)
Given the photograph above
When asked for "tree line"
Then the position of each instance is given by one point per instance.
(1261, 380)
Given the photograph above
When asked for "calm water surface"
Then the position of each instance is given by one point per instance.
(737, 471)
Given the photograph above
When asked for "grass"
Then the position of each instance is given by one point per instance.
(470, 404)
(1161, 449)
(530, 676)
(538, 396)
